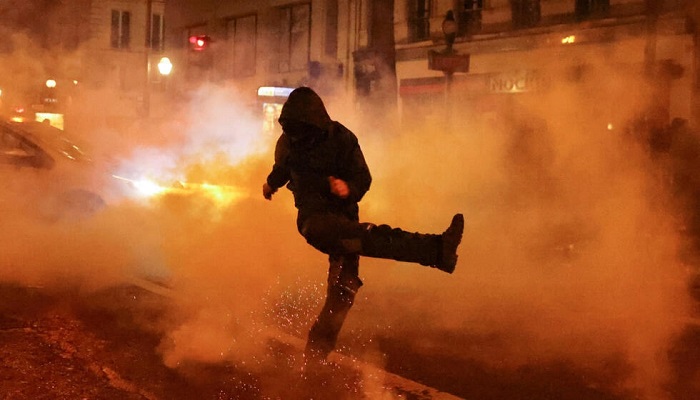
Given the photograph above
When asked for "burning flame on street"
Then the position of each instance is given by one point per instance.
(221, 195)
(145, 187)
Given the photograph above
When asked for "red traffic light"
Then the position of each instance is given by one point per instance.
(199, 42)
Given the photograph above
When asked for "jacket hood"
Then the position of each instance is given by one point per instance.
(304, 105)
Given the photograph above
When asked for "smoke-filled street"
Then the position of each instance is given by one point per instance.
(573, 281)
(164, 226)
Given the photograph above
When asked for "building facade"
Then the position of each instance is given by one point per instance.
(125, 42)
(111, 48)
(336, 47)
(87, 49)
(517, 49)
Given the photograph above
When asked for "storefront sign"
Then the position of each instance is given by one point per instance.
(448, 62)
(516, 82)
(274, 91)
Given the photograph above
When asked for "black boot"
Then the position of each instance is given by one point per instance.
(450, 241)
(437, 251)
(323, 334)
(383, 241)
(343, 284)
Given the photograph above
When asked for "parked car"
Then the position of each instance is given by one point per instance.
(46, 173)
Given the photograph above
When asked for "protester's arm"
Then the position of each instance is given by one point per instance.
(361, 178)
(279, 175)
(354, 170)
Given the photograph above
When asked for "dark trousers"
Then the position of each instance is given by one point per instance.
(339, 236)
(345, 239)
(343, 283)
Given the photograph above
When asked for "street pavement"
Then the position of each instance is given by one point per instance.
(65, 344)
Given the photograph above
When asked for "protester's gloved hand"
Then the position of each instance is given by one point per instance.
(268, 191)
(339, 187)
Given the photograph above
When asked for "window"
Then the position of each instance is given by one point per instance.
(294, 38)
(332, 28)
(470, 17)
(157, 30)
(10, 143)
(121, 29)
(16, 150)
(588, 8)
(526, 13)
(241, 43)
(419, 20)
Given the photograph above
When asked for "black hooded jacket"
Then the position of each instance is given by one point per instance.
(306, 157)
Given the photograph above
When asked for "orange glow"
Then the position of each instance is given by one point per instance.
(221, 195)
(569, 39)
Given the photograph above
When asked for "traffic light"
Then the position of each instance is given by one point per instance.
(199, 42)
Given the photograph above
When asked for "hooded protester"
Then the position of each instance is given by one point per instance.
(321, 162)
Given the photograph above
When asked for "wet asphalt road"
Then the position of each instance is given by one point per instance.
(61, 344)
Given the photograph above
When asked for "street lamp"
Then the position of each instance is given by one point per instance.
(449, 29)
(165, 66)
(447, 60)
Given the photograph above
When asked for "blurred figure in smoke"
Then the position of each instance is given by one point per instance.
(683, 148)
(321, 162)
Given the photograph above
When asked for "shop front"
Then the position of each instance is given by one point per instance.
(611, 80)
(270, 102)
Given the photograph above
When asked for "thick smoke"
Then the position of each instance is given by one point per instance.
(570, 254)
(570, 251)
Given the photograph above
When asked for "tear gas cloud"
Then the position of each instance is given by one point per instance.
(568, 252)
(571, 251)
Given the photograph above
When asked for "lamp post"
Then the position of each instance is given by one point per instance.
(449, 30)
(147, 53)
(448, 60)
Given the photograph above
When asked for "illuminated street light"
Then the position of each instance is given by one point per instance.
(50, 83)
(165, 66)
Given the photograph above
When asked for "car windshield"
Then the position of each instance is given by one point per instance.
(54, 140)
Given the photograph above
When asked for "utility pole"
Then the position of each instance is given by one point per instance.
(147, 53)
